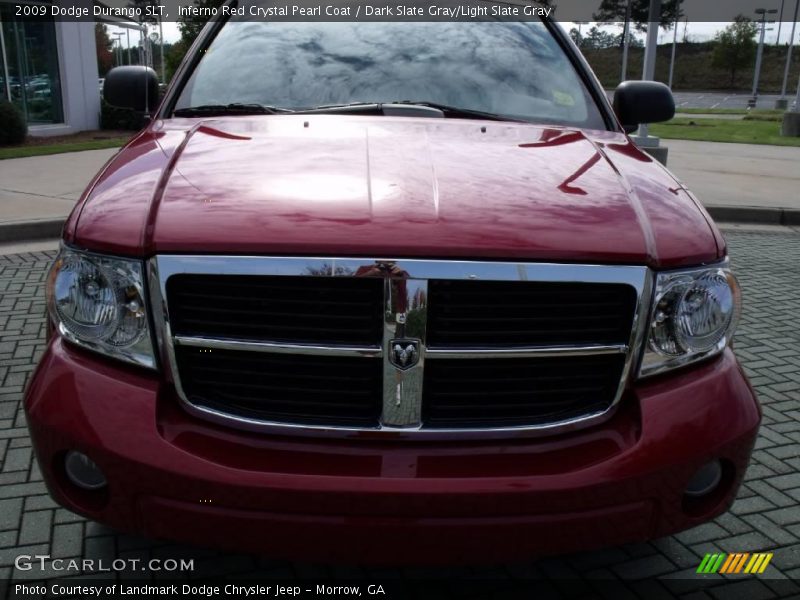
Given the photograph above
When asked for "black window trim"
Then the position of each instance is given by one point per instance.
(584, 71)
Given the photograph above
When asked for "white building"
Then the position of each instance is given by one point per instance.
(49, 71)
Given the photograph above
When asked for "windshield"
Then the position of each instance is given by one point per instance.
(513, 69)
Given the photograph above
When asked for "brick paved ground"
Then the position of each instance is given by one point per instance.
(765, 517)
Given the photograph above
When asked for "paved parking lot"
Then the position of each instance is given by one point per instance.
(766, 517)
(722, 99)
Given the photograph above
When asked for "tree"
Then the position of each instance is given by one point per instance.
(576, 37)
(597, 40)
(614, 10)
(633, 41)
(735, 46)
(173, 57)
(105, 57)
(190, 26)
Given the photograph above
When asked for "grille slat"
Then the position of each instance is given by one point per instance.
(277, 388)
(275, 404)
(267, 330)
(529, 393)
(305, 376)
(533, 336)
(512, 319)
(315, 301)
(285, 312)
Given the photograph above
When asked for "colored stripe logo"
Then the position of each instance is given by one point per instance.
(733, 564)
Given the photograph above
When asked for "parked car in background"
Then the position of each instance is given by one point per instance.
(391, 293)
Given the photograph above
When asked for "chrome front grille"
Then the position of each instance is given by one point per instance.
(399, 348)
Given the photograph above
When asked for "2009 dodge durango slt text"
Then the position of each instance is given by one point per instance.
(391, 292)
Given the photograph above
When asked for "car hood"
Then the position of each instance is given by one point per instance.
(392, 187)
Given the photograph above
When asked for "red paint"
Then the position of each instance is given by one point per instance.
(399, 187)
(395, 503)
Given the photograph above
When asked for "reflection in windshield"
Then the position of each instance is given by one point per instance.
(511, 68)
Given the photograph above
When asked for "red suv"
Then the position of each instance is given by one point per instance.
(394, 292)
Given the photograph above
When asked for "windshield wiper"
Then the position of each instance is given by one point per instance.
(380, 108)
(236, 108)
(385, 108)
(456, 112)
(349, 107)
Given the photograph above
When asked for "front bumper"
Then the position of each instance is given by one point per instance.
(357, 501)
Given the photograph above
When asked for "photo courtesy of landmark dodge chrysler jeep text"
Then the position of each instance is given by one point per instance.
(393, 292)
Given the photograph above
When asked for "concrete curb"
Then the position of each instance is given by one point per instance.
(43, 229)
(755, 215)
(39, 229)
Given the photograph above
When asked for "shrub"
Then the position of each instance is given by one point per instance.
(13, 127)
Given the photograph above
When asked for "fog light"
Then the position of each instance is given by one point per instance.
(82, 471)
(705, 480)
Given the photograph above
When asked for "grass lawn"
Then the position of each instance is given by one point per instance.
(711, 111)
(754, 131)
(86, 140)
(755, 113)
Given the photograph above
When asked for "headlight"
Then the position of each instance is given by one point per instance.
(694, 315)
(98, 303)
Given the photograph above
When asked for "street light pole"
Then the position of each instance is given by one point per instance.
(650, 50)
(648, 143)
(760, 54)
(797, 99)
(654, 22)
(155, 37)
(118, 48)
(626, 34)
(161, 50)
(791, 118)
(782, 102)
(780, 22)
(674, 45)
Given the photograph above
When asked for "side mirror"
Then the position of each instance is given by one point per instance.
(133, 87)
(637, 102)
